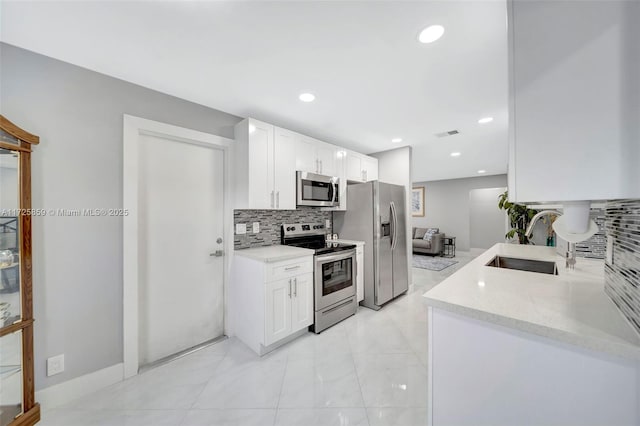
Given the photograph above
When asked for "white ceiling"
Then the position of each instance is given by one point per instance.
(372, 80)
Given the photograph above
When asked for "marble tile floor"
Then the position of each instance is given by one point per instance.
(368, 370)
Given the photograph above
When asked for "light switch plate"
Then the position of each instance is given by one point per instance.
(241, 228)
(327, 223)
(55, 365)
(256, 227)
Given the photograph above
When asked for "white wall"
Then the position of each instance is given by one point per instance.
(394, 166)
(77, 261)
(447, 205)
(487, 224)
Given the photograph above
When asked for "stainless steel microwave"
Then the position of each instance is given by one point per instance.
(317, 190)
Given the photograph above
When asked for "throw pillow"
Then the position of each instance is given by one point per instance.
(430, 233)
(419, 233)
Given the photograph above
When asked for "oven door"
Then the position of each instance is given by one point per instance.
(317, 190)
(335, 278)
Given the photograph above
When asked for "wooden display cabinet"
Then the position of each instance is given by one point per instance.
(17, 400)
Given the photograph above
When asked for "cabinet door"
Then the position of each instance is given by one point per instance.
(341, 166)
(284, 169)
(277, 311)
(326, 155)
(370, 167)
(360, 276)
(260, 151)
(575, 135)
(354, 167)
(306, 160)
(302, 302)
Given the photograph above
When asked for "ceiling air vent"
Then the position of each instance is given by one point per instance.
(449, 133)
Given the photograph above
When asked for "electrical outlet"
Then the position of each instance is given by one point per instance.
(241, 228)
(256, 227)
(55, 365)
(327, 223)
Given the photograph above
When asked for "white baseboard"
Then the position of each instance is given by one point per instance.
(62, 393)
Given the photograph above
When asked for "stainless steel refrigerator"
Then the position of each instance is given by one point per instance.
(376, 214)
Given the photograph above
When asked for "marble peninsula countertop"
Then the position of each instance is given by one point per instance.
(570, 307)
(274, 253)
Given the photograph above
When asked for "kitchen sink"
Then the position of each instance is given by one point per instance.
(530, 265)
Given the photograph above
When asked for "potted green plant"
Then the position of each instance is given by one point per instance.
(519, 218)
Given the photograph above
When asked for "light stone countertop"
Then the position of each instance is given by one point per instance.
(274, 253)
(571, 307)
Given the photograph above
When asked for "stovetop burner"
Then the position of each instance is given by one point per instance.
(324, 247)
(311, 236)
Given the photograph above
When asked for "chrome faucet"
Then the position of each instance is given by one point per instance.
(570, 255)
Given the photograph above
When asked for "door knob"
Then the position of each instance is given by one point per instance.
(217, 253)
(219, 240)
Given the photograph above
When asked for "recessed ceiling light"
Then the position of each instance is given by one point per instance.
(396, 140)
(307, 97)
(431, 34)
(482, 171)
(455, 154)
(485, 120)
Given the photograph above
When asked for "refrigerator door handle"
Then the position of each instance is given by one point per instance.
(394, 219)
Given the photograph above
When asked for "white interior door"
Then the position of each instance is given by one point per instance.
(181, 224)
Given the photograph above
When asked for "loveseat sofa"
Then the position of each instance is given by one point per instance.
(427, 241)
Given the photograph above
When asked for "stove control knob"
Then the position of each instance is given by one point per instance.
(293, 228)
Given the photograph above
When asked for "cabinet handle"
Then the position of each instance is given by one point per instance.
(278, 199)
(295, 287)
(271, 199)
(289, 288)
(320, 166)
(291, 268)
(366, 176)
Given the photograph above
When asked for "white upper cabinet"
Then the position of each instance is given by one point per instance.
(264, 169)
(574, 100)
(327, 158)
(340, 171)
(284, 173)
(361, 168)
(315, 156)
(354, 167)
(370, 167)
(306, 159)
(267, 157)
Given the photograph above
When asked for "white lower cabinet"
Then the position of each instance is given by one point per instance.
(270, 302)
(277, 311)
(302, 302)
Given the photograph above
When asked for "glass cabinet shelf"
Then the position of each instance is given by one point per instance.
(10, 377)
